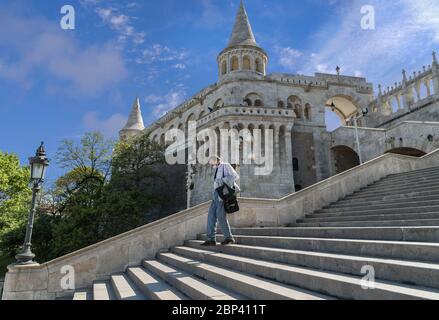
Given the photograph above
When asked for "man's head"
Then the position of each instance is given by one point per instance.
(215, 162)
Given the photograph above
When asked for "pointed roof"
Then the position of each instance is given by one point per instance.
(135, 120)
(242, 31)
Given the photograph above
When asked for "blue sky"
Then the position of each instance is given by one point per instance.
(57, 84)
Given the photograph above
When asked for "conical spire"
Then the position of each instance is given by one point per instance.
(135, 120)
(242, 31)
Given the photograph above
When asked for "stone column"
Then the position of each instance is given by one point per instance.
(277, 160)
(289, 158)
(435, 69)
(407, 92)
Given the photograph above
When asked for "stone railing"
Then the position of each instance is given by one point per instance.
(244, 110)
(114, 255)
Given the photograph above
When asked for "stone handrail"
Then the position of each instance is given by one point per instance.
(99, 261)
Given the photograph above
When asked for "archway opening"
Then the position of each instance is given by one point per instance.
(344, 158)
(339, 110)
(413, 152)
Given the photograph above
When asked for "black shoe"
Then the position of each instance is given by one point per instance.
(209, 243)
(227, 242)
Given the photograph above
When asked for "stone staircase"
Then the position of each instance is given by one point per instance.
(392, 225)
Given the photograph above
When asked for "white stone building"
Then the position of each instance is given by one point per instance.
(402, 119)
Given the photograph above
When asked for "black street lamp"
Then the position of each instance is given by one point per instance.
(38, 165)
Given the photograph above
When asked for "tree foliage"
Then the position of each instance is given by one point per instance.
(14, 192)
(108, 189)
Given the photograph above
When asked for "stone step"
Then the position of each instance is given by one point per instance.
(401, 250)
(367, 211)
(382, 223)
(152, 286)
(125, 289)
(408, 272)
(193, 287)
(388, 197)
(251, 286)
(403, 180)
(383, 206)
(102, 291)
(414, 234)
(355, 203)
(327, 282)
(82, 295)
(374, 217)
(398, 188)
(420, 172)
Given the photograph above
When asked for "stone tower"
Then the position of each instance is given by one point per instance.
(134, 124)
(243, 57)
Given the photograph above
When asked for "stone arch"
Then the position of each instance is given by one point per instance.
(295, 103)
(345, 102)
(246, 63)
(201, 115)
(413, 152)
(254, 99)
(281, 104)
(234, 63)
(344, 158)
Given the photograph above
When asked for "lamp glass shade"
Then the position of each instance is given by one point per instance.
(38, 169)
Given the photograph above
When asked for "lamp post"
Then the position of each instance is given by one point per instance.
(355, 119)
(38, 165)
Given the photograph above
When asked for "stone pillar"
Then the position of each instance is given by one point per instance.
(407, 92)
(435, 78)
(277, 160)
(289, 158)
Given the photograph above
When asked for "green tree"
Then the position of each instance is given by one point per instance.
(14, 202)
(14, 192)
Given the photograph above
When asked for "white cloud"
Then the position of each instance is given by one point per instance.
(406, 32)
(288, 57)
(163, 104)
(160, 53)
(46, 53)
(109, 127)
(121, 23)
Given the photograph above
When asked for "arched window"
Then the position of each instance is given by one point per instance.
(224, 67)
(295, 164)
(280, 104)
(259, 67)
(246, 63)
(295, 103)
(234, 63)
(254, 99)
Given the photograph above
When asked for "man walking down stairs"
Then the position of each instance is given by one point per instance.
(380, 243)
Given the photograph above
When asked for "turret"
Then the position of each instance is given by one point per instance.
(243, 57)
(134, 124)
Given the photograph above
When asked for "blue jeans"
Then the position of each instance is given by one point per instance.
(217, 213)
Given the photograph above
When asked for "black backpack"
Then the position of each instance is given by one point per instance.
(230, 199)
